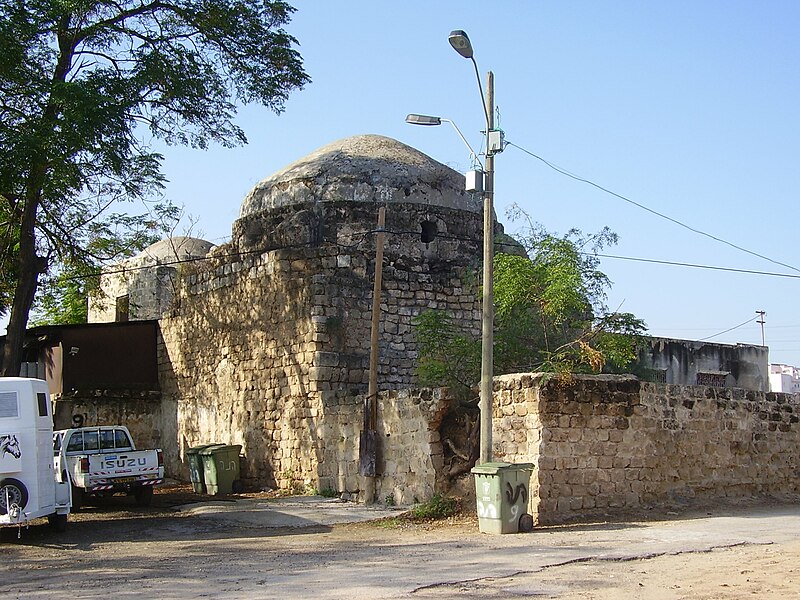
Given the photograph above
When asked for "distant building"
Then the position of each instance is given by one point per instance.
(686, 362)
(784, 378)
(143, 287)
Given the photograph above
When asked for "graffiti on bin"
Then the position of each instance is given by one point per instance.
(513, 494)
(487, 510)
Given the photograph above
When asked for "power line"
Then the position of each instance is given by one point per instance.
(364, 234)
(650, 210)
(696, 266)
(750, 320)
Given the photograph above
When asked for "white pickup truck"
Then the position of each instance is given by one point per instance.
(103, 461)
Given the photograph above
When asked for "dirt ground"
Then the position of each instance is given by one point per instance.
(121, 550)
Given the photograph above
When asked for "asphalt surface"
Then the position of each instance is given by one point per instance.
(295, 511)
(298, 548)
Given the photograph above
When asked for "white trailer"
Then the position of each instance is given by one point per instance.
(29, 486)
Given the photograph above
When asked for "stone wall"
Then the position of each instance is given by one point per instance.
(263, 348)
(409, 448)
(148, 280)
(140, 412)
(611, 442)
(599, 444)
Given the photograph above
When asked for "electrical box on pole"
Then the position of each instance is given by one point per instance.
(495, 141)
(474, 180)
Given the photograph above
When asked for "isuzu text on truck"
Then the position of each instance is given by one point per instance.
(30, 485)
(103, 460)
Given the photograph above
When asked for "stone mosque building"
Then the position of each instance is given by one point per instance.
(264, 341)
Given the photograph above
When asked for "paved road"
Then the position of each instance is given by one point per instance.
(244, 550)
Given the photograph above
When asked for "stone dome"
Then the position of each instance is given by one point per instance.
(363, 168)
(175, 248)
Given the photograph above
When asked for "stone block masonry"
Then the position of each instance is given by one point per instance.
(139, 411)
(607, 443)
(270, 348)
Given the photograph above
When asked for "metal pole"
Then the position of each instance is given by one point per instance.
(487, 322)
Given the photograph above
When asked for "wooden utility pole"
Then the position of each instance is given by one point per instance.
(368, 450)
(761, 321)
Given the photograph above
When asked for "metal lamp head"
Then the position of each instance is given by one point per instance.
(414, 119)
(460, 42)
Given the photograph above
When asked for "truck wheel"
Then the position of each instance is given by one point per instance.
(144, 496)
(12, 491)
(77, 498)
(58, 522)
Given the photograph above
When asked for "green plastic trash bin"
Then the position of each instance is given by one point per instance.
(501, 493)
(196, 468)
(221, 468)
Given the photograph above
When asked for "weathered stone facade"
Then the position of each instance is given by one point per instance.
(599, 444)
(612, 442)
(146, 282)
(265, 343)
(269, 336)
(686, 362)
(139, 411)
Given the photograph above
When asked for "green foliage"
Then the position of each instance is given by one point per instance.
(85, 85)
(446, 356)
(550, 315)
(551, 308)
(329, 493)
(438, 507)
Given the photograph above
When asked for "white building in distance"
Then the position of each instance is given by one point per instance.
(784, 378)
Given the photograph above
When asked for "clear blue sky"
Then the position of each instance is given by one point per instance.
(691, 108)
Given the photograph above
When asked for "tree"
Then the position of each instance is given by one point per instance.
(551, 312)
(84, 86)
(550, 315)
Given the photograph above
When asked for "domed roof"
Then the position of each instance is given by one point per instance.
(363, 168)
(174, 249)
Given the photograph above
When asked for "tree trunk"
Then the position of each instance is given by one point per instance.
(30, 266)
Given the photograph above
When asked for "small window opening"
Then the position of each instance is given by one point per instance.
(123, 308)
(43, 403)
(429, 231)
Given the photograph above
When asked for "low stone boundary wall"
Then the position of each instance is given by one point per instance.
(613, 442)
(598, 443)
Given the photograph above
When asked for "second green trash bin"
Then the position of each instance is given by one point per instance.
(221, 468)
(501, 493)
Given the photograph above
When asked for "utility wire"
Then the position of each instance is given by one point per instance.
(440, 235)
(650, 210)
(750, 320)
(694, 266)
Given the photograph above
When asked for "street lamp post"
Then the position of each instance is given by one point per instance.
(460, 42)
